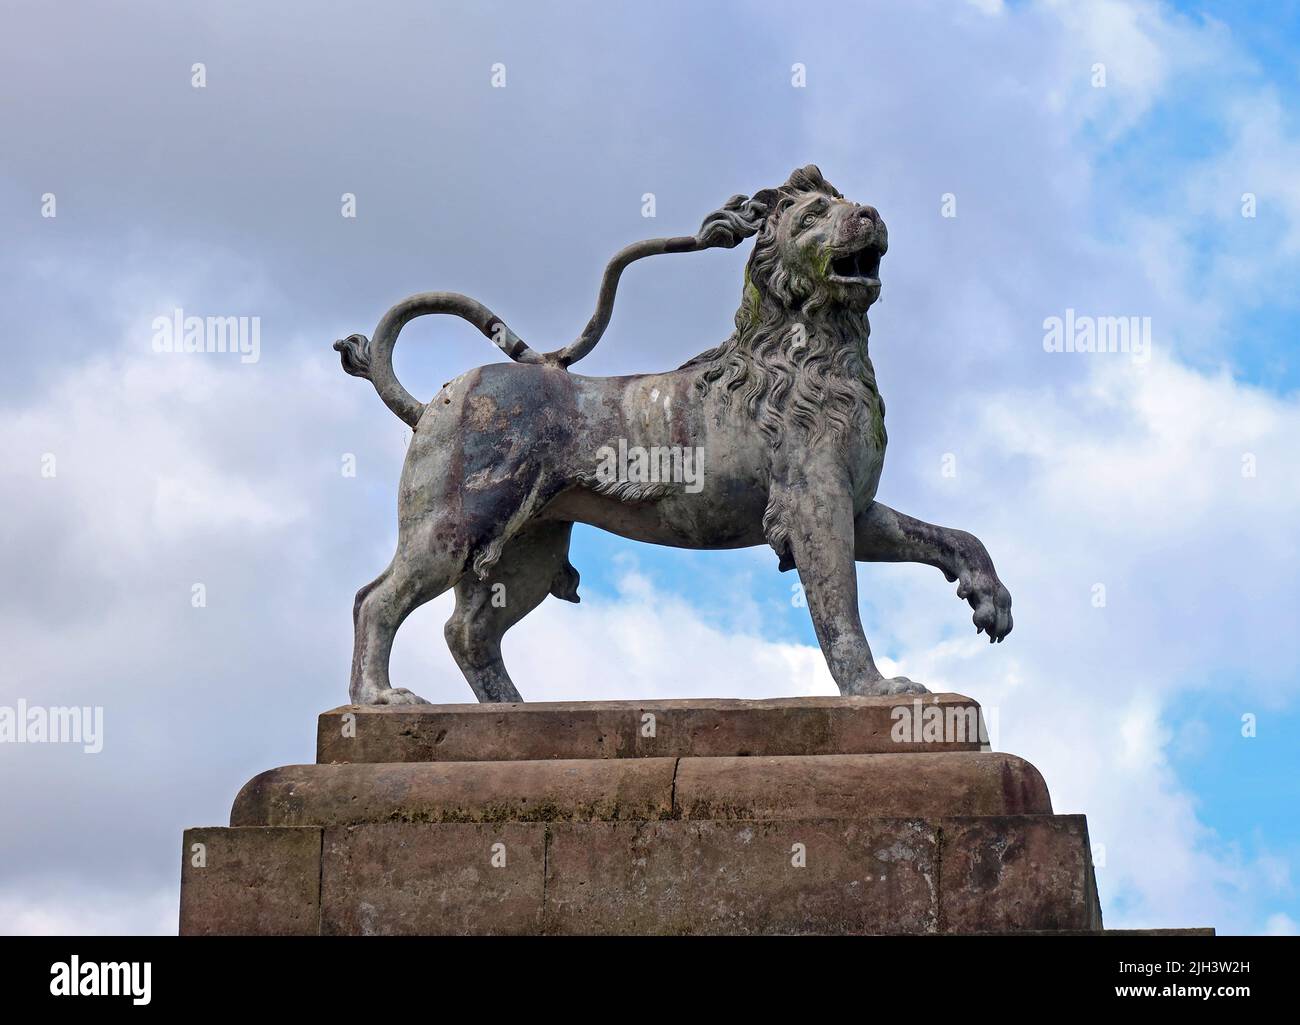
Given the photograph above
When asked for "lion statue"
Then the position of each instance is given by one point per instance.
(775, 436)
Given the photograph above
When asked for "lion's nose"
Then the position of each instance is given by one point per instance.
(870, 213)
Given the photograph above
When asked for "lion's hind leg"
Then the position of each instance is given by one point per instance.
(419, 572)
(532, 564)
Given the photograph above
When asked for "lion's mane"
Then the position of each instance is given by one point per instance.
(796, 361)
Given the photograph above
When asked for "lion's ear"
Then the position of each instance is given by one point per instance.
(767, 199)
(809, 179)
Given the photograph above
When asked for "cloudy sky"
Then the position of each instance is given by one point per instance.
(1098, 157)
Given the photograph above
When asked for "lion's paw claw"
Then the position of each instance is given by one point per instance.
(984, 593)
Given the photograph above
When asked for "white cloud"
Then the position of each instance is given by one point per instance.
(638, 643)
(57, 909)
(153, 451)
(1281, 924)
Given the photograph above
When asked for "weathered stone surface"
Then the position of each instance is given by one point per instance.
(786, 787)
(616, 729)
(433, 880)
(731, 878)
(253, 882)
(1019, 874)
(994, 874)
(853, 786)
(330, 795)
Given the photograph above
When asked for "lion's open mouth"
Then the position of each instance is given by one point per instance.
(862, 267)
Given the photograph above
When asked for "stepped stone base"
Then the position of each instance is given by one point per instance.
(799, 816)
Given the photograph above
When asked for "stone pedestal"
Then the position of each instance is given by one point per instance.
(804, 815)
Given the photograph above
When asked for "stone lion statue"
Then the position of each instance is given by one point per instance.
(775, 436)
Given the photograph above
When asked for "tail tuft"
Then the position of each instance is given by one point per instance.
(354, 352)
(739, 218)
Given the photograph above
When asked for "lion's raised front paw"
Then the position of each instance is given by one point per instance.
(991, 601)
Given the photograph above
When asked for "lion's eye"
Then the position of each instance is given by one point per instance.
(809, 219)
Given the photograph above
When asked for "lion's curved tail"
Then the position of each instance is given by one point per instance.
(372, 359)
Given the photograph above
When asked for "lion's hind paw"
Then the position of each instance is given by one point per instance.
(392, 696)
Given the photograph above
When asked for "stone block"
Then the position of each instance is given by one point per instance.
(697, 728)
(449, 879)
(859, 786)
(328, 795)
(731, 878)
(1022, 873)
(255, 881)
(645, 789)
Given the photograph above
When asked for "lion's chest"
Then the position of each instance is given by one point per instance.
(865, 452)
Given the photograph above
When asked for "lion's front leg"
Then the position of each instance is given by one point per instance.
(819, 514)
(885, 535)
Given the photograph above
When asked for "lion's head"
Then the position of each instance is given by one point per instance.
(798, 357)
(816, 249)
